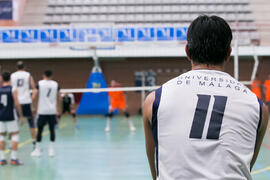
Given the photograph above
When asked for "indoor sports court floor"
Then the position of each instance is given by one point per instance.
(90, 153)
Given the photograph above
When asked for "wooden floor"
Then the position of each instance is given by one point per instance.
(88, 153)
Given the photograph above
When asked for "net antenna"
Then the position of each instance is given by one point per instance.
(236, 57)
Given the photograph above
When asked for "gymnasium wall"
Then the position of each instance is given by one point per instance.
(74, 73)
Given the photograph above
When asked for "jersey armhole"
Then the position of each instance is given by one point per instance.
(155, 122)
(259, 123)
(260, 115)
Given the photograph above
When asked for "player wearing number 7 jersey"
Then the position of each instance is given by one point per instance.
(47, 108)
(204, 124)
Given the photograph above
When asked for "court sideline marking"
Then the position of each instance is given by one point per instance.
(264, 170)
(30, 140)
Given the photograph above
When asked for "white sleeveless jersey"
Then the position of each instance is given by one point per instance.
(205, 127)
(48, 94)
(21, 81)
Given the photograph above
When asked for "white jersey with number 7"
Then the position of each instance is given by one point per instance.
(47, 99)
(205, 127)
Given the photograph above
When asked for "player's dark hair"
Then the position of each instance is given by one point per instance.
(6, 76)
(48, 73)
(20, 65)
(209, 39)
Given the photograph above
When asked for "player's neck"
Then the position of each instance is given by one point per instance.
(207, 67)
(20, 70)
(6, 83)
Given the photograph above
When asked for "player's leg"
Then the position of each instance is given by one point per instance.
(52, 123)
(40, 125)
(27, 112)
(3, 160)
(32, 127)
(123, 107)
(14, 149)
(130, 123)
(109, 118)
(13, 130)
(73, 114)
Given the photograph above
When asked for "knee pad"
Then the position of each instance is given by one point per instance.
(127, 114)
(2, 138)
(15, 138)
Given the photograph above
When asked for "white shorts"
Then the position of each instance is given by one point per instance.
(9, 126)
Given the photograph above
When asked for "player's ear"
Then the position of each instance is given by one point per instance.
(187, 52)
(229, 54)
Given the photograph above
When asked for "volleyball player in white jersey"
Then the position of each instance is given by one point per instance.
(204, 124)
(47, 108)
(24, 82)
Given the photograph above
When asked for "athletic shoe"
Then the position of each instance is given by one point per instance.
(51, 152)
(132, 128)
(3, 162)
(107, 129)
(34, 145)
(16, 162)
(36, 153)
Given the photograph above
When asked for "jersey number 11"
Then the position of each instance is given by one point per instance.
(201, 113)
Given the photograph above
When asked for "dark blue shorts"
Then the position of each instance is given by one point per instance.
(46, 119)
(27, 112)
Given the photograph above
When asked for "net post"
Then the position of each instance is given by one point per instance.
(143, 92)
(236, 58)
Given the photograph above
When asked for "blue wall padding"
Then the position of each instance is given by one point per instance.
(95, 103)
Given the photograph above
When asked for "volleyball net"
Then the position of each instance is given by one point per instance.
(95, 101)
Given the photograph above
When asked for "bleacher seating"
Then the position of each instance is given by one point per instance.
(237, 12)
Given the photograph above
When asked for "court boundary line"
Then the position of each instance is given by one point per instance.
(264, 170)
(28, 141)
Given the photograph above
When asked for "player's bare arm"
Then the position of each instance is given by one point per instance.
(35, 103)
(149, 139)
(261, 133)
(33, 87)
(59, 104)
(18, 106)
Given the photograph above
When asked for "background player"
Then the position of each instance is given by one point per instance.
(118, 101)
(197, 125)
(24, 82)
(49, 98)
(68, 106)
(256, 87)
(8, 119)
(267, 91)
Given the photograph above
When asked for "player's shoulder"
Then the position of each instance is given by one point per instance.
(54, 82)
(174, 80)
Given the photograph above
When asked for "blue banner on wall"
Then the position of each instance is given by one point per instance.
(85, 34)
(6, 10)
